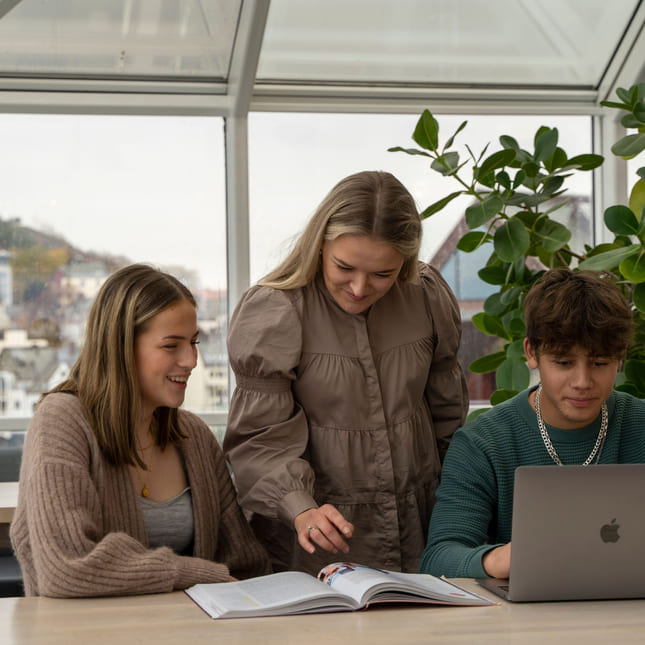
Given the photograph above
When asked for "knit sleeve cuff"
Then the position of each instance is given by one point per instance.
(192, 571)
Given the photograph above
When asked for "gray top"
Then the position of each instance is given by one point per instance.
(170, 523)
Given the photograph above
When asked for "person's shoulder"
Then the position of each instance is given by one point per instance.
(626, 406)
(261, 297)
(433, 285)
(193, 423)
(59, 403)
(497, 419)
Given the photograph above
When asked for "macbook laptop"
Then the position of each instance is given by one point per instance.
(578, 533)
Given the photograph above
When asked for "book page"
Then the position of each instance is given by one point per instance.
(353, 580)
(366, 585)
(288, 592)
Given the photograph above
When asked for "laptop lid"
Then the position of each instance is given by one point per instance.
(578, 533)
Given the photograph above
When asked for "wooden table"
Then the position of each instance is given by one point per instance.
(175, 619)
(8, 500)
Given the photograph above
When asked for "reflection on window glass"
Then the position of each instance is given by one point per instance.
(84, 195)
(295, 159)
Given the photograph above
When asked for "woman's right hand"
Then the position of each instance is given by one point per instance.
(325, 527)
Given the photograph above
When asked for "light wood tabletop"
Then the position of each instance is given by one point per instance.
(174, 618)
(8, 501)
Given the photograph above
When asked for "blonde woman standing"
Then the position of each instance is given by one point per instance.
(348, 386)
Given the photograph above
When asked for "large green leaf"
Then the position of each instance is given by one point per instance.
(488, 363)
(511, 295)
(554, 235)
(493, 275)
(514, 322)
(490, 325)
(552, 185)
(620, 220)
(426, 133)
(481, 212)
(493, 305)
(513, 374)
(557, 160)
(610, 259)
(509, 143)
(635, 372)
(511, 240)
(499, 396)
(497, 160)
(516, 349)
(452, 138)
(545, 143)
(503, 179)
(633, 267)
(584, 162)
(472, 241)
(446, 164)
(439, 205)
(630, 146)
(638, 297)
(409, 151)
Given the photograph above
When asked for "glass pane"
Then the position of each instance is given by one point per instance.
(83, 195)
(120, 38)
(295, 159)
(543, 42)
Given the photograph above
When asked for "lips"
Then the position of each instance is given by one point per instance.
(354, 298)
(581, 403)
(180, 380)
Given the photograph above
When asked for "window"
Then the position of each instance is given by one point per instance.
(83, 195)
(295, 159)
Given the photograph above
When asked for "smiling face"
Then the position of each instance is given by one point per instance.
(359, 270)
(574, 385)
(165, 352)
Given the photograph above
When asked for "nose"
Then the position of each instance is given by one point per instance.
(583, 378)
(188, 357)
(359, 284)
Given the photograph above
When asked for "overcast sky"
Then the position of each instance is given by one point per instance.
(152, 188)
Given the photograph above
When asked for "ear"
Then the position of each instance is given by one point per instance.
(531, 356)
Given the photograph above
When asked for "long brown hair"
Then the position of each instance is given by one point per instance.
(373, 203)
(104, 376)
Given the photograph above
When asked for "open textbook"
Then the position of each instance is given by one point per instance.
(339, 587)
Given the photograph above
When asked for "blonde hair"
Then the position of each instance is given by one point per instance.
(373, 203)
(104, 376)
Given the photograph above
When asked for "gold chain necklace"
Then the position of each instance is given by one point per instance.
(145, 491)
(600, 440)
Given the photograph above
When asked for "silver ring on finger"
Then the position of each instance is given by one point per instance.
(310, 528)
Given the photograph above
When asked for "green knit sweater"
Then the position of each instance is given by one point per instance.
(474, 505)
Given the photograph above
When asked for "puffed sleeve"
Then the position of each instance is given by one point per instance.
(267, 433)
(446, 389)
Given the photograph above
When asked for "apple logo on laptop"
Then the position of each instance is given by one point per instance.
(609, 532)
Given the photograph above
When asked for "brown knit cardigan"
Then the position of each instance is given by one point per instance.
(78, 529)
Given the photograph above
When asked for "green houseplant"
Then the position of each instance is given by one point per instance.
(515, 193)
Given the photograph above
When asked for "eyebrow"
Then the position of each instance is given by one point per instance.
(178, 336)
(349, 266)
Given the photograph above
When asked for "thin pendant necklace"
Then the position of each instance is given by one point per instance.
(600, 440)
(145, 491)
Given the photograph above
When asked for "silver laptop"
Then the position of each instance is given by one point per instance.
(578, 533)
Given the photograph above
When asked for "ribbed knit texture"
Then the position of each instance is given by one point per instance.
(474, 505)
(78, 529)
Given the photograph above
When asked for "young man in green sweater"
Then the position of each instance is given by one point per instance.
(578, 329)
